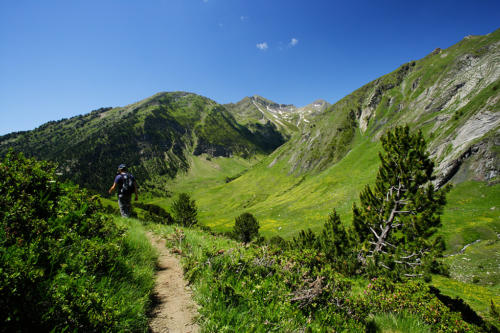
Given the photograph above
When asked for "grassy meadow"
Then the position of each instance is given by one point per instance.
(270, 193)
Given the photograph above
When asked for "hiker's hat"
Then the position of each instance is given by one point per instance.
(122, 166)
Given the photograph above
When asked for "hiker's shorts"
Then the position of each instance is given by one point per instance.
(125, 204)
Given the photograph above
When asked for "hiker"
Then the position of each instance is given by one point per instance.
(126, 185)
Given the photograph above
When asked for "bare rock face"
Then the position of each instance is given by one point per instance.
(478, 162)
(462, 104)
(436, 51)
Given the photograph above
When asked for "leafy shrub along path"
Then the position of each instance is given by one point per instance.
(175, 310)
(65, 266)
(251, 288)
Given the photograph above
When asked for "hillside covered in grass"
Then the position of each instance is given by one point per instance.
(155, 136)
(67, 266)
(271, 289)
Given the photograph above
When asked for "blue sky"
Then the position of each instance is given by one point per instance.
(64, 58)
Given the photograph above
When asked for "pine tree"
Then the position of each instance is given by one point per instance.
(246, 227)
(184, 210)
(306, 239)
(334, 241)
(399, 214)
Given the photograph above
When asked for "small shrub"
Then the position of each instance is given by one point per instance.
(246, 227)
(184, 210)
(155, 213)
(278, 242)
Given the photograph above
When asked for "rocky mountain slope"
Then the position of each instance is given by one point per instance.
(286, 117)
(451, 95)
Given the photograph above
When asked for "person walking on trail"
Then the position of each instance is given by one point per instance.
(125, 183)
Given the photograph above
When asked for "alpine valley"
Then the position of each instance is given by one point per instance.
(291, 166)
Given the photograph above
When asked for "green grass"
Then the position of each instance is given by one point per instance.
(270, 193)
(210, 171)
(472, 212)
(478, 264)
(400, 323)
(131, 286)
(251, 288)
(111, 201)
(235, 292)
(478, 297)
(216, 314)
(232, 294)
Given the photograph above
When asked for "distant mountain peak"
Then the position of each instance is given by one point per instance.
(267, 102)
(318, 105)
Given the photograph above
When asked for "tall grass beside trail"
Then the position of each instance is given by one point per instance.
(404, 323)
(132, 284)
(128, 286)
(231, 298)
(249, 288)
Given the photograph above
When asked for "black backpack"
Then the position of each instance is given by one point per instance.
(127, 184)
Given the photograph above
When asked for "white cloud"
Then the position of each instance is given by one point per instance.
(293, 42)
(262, 46)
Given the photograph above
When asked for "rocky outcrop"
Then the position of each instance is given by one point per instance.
(379, 88)
(477, 162)
(459, 97)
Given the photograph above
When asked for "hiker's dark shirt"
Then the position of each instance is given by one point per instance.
(119, 179)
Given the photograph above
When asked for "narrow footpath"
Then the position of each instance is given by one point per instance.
(174, 311)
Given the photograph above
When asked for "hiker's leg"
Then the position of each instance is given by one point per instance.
(122, 209)
(125, 205)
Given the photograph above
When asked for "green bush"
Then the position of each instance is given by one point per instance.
(58, 254)
(335, 244)
(155, 213)
(246, 227)
(184, 210)
(415, 297)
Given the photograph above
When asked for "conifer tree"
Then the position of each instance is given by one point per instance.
(184, 210)
(334, 241)
(401, 211)
(306, 239)
(246, 227)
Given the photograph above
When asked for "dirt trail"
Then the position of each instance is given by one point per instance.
(175, 310)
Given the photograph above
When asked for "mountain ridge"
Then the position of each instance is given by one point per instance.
(155, 136)
(451, 95)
